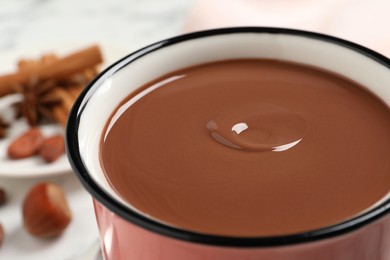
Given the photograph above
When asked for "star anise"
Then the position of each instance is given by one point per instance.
(38, 100)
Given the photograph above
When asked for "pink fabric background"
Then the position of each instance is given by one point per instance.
(361, 21)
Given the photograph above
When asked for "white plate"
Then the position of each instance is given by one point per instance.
(79, 240)
(32, 166)
(35, 166)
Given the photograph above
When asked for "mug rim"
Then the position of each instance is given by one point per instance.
(75, 159)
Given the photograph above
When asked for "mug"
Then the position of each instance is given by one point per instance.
(127, 234)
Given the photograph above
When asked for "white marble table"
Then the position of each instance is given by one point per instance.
(128, 23)
(125, 25)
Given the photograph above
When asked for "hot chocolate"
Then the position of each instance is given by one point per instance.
(249, 148)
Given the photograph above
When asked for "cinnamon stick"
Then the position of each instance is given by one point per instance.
(66, 98)
(26, 64)
(58, 69)
(60, 115)
(61, 111)
(75, 90)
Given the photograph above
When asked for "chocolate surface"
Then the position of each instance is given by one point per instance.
(249, 148)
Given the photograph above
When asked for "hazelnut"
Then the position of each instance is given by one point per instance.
(3, 196)
(45, 210)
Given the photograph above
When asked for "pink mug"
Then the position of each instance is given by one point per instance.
(127, 234)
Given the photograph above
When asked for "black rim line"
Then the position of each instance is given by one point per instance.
(137, 219)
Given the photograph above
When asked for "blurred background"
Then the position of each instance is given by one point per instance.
(30, 28)
(133, 23)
